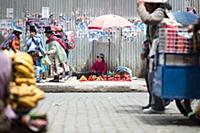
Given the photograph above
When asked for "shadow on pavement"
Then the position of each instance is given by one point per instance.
(156, 119)
(166, 119)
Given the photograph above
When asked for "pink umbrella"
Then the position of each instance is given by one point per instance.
(109, 21)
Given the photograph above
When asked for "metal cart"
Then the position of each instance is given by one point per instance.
(177, 71)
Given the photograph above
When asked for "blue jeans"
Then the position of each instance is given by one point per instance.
(38, 70)
(156, 102)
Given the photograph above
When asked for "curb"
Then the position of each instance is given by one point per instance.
(94, 86)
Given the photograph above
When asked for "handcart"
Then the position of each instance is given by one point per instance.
(177, 70)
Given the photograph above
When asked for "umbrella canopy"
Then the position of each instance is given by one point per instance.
(109, 21)
(185, 18)
(156, 1)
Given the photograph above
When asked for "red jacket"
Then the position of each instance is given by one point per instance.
(99, 67)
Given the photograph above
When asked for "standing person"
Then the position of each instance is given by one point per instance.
(144, 56)
(61, 20)
(13, 41)
(51, 20)
(152, 12)
(61, 37)
(36, 49)
(56, 53)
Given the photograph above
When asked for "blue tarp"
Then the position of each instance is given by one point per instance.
(185, 18)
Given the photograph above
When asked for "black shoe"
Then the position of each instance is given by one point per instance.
(146, 107)
(55, 79)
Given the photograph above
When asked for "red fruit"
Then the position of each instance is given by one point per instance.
(110, 78)
(105, 77)
(91, 78)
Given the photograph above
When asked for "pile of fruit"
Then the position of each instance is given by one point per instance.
(24, 93)
(91, 78)
(106, 78)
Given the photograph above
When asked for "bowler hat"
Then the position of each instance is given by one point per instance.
(18, 29)
(32, 29)
(155, 1)
(48, 30)
(101, 55)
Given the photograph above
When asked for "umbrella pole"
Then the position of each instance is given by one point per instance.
(109, 54)
(120, 41)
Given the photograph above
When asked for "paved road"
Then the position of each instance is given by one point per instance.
(110, 113)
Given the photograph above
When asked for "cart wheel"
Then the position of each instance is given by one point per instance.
(195, 110)
(184, 106)
(190, 108)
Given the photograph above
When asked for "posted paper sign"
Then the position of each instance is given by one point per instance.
(5, 24)
(9, 12)
(45, 12)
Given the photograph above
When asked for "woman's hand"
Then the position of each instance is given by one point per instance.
(140, 2)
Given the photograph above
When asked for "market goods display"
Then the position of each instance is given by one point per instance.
(116, 77)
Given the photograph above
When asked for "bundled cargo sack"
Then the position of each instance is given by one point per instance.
(24, 93)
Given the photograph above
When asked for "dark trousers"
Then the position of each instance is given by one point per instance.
(147, 79)
(157, 102)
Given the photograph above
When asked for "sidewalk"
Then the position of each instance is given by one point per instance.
(73, 85)
(110, 113)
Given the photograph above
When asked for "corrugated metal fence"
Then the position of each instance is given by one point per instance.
(81, 57)
(85, 53)
(196, 4)
(90, 8)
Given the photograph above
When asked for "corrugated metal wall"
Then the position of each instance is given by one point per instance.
(91, 8)
(85, 53)
(81, 57)
(196, 4)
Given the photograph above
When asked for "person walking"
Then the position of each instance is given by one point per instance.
(152, 12)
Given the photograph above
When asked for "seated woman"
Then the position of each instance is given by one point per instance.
(99, 67)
